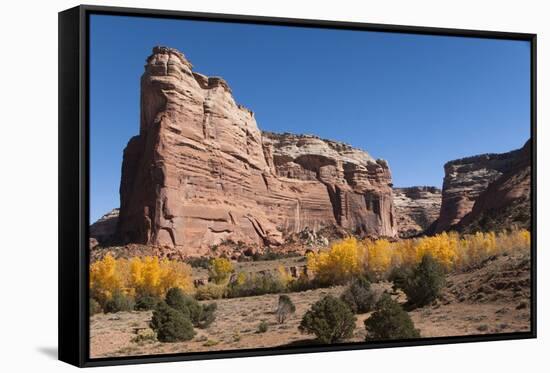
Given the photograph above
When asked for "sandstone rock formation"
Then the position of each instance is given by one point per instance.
(416, 208)
(493, 179)
(104, 229)
(200, 171)
(358, 186)
(507, 201)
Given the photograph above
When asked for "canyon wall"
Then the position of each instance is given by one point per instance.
(416, 209)
(482, 180)
(200, 171)
(506, 202)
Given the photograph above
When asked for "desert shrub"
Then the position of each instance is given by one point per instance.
(399, 276)
(183, 303)
(285, 308)
(220, 269)
(424, 282)
(236, 336)
(207, 316)
(359, 296)
(171, 325)
(389, 321)
(210, 343)
(199, 262)
(95, 307)
(119, 302)
(343, 261)
(144, 336)
(146, 303)
(302, 283)
(210, 291)
(201, 316)
(255, 284)
(262, 327)
(329, 319)
(272, 255)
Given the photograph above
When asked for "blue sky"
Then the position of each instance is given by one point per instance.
(417, 101)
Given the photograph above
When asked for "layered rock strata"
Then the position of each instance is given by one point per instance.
(506, 202)
(201, 172)
(416, 208)
(481, 180)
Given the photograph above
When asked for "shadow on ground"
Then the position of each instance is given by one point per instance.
(50, 352)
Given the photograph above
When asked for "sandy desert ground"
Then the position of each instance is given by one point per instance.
(491, 299)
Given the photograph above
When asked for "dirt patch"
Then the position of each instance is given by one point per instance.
(235, 327)
(491, 298)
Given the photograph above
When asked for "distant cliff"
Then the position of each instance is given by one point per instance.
(104, 229)
(416, 209)
(200, 171)
(506, 202)
(487, 192)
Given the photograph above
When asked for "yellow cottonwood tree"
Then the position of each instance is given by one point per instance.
(137, 277)
(104, 279)
(340, 263)
(220, 269)
(379, 256)
(442, 247)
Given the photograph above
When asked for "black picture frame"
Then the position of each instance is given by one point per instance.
(74, 187)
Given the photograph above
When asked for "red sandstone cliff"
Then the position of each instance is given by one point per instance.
(200, 171)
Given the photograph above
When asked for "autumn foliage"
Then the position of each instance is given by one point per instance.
(349, 258)
(137, 277)
(342, 262)
(220, 269)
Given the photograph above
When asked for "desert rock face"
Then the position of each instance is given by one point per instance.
(358, 187)
(200, 171)
(104, 229)
(416, 209)
(507, 201)
(468, 178)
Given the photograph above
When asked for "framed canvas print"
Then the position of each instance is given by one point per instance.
(234, 186)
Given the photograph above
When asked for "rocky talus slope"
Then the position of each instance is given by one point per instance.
(416, 208)
(493, 182)
(200, 171)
